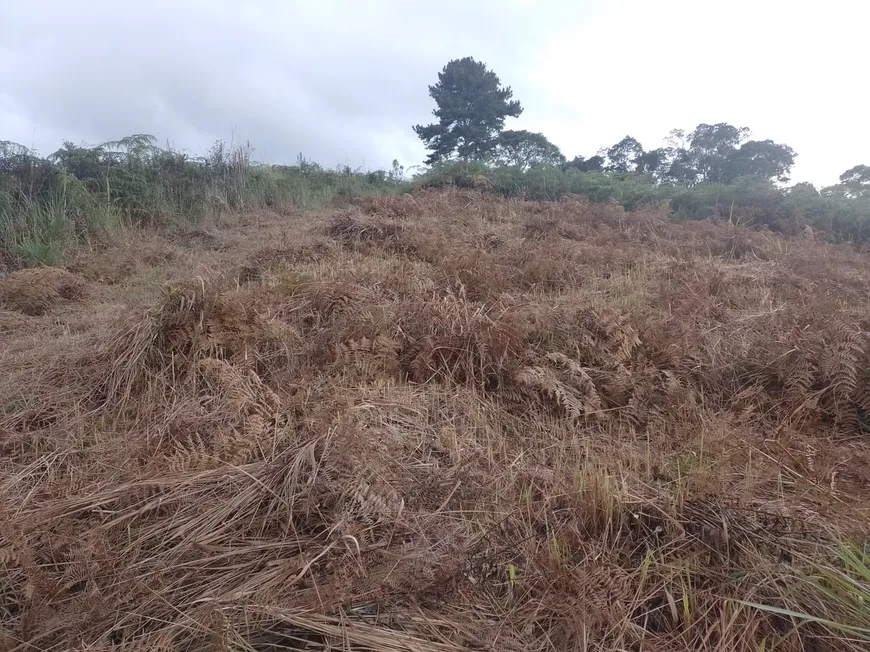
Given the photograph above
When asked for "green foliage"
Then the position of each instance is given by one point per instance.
(763, 159)
(472, 107)
(622, 157)
(654, 162)
(592, 164)
(854, 182)
(542, 183)
(524, 149)
(48, 205)
(840, 591)
(748, 199)
(717, 154)
(710, 148)
(37, 230)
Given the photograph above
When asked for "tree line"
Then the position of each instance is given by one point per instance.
(472, 106)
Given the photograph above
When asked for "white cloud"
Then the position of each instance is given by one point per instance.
(344, 82)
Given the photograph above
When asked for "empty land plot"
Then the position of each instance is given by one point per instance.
(436, 422)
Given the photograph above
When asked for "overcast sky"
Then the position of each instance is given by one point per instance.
(343, 81)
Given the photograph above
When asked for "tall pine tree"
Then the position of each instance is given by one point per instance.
(472, 107)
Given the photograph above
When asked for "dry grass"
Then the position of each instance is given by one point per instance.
(440, 422)
(35, 291)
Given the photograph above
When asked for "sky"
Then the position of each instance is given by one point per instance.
(342, 82)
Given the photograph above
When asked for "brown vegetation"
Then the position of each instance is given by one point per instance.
(440, 422)
(34, 291)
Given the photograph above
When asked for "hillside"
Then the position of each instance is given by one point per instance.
(435, 422)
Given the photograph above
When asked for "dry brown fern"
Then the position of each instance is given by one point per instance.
(566, 383)
(373, 359)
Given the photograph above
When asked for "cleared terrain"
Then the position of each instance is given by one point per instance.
(438, 422)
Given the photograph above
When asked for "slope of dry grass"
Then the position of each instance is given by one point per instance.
(439, 422)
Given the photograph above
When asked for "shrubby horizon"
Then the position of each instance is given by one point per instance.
(714, 170)
(51, 204)
(472, 107)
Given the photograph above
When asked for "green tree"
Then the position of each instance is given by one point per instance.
(655, 162)
(856, 181)
(621, 158)
(472, 107)
(525, 149)
(90, 165)
(720, 153)
(764, 159)
(803, 189)
(703, 155)
(711, 148)
(591, 164)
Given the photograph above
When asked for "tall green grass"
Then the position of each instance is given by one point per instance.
(50, 205)
(837, 594)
